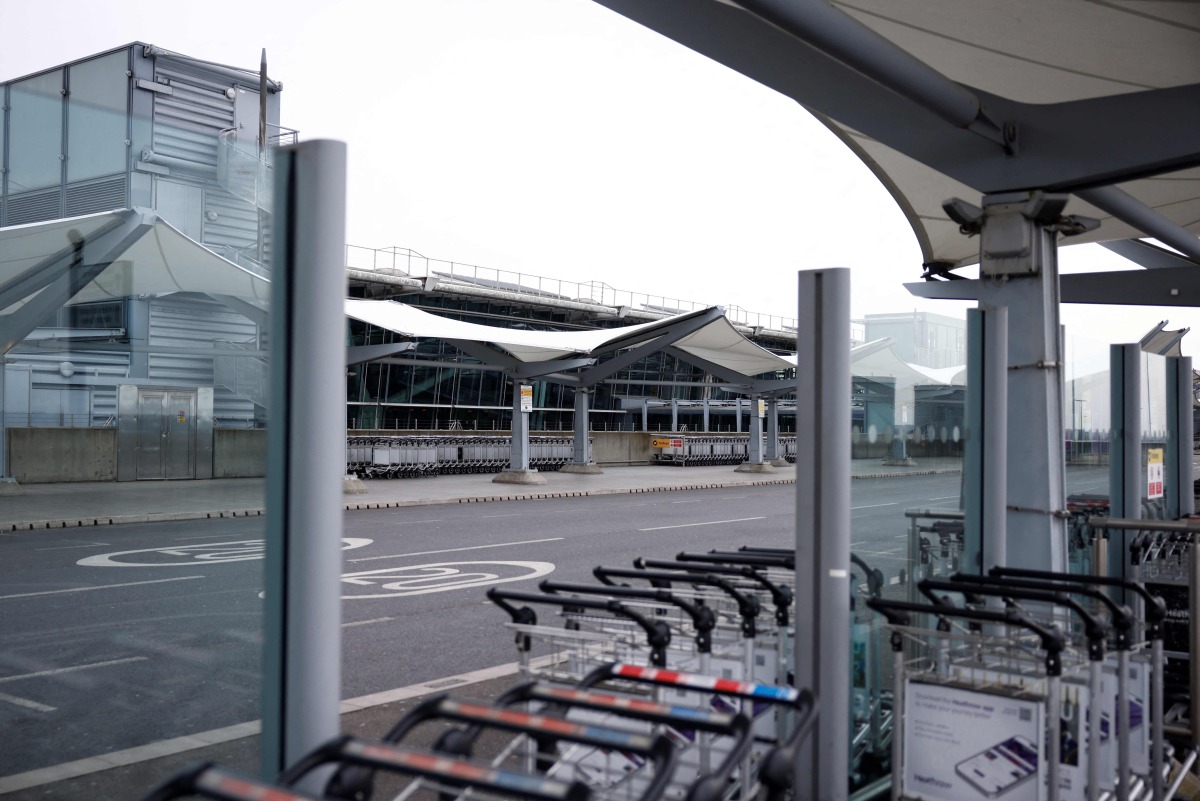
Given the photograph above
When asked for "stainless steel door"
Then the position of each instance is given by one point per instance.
(166, 434)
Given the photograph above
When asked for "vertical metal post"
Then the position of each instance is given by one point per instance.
(737, 415)
(822, 650)
(1178, 468)
(706, 415)
(985, 486)
(674, 414)
(1125, 462)
(645, 415)
(302, 607)
(519, 453)
(1194, 646)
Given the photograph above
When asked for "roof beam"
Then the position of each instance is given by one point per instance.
(1168, 286)
(666, 336)
(486, 353)
(1145, 254)
(541, 369)
(360, 354)
(1130, 210)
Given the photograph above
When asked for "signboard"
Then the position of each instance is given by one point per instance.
(526, 398)
(664, 442)
(963, 745)
(1154, 473)
(762, 408)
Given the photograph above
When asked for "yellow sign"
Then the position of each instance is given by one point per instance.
(526, 398)
(662, 442)
(1154, 473)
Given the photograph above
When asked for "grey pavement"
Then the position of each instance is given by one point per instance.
(44, 506)
(131, 774)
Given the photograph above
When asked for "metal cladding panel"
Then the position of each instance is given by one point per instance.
(199, 324)
(235, 225)
(99, 194)
(187, 121)
(87, 367)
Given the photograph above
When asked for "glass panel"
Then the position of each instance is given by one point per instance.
(115, 634)
(907, 440)
(1154, 436)
(1087, 400)
(97, 117)
(35, 133)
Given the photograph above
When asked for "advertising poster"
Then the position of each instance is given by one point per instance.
(963, 745)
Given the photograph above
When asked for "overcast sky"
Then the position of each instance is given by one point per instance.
(555, 138)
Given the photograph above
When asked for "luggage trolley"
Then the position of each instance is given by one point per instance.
(964, 760)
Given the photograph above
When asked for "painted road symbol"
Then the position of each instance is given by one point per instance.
(192, 555)
(399, 582)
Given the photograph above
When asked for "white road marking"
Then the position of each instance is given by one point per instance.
(452, 550)
(25, 702)
(440, 577)
(944, 498)
(72, 669)
(97, 587)
(487, 517)
(367, 622)
(65, 547)
(699, 501)
(873, 506)
(709, 523)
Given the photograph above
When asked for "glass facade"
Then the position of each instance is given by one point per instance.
(35, 132)
(98, 117)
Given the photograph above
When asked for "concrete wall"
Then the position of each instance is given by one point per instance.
(239, 452)
(54, 455)
(51, 455)
(620, 447)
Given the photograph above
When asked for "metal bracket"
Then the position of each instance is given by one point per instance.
(1041, 364)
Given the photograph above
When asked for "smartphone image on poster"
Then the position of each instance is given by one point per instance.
(1000, 768)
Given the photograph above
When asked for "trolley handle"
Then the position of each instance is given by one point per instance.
(766, 693)
(1156, 608)
(1120, 616)
(787, 562)
(748, 606)
(703, 618)
(210, 781)
(449, 770)
(658, 634)
(1052, 639)
(781, 595)
(873, 576)
(777, 771)
(1095, 629)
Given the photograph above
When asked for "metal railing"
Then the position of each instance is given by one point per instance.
(397, 260)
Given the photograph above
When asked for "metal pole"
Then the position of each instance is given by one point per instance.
(1156, 718)
(1053, 734)
(755, 452)
(1125, 464)
(986, 464)
(1124, 772)
(1181, 500)
(674, 414)
(772, 454)
(823, 529)
(706, 415)
(1194, 646)
(1095, 668)
(519, 449)
(302, 607)
(737, 415)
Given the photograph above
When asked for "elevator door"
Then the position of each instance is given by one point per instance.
(166, 434)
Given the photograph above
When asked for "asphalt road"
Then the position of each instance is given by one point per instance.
(125, 635)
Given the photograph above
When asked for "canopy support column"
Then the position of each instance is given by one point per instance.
(581, 456)
(674, 415)
(706, 415)
(737, 415)
(755, 463)
(518, 471)
(773, 456)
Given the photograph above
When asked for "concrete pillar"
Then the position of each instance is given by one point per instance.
(518, 471)
(674, 415)
(581, 455)
(645, 415)
(705, 415)
(737, 415)
(822, 655)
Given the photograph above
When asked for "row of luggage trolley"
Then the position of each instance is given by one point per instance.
(667, 680)
(692, 449)
(414, 456)
(1029, 685)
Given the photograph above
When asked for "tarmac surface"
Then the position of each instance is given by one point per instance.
(132, 773)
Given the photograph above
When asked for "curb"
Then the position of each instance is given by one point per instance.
(160, 517)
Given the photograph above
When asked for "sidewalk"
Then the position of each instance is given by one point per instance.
(42, 506)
